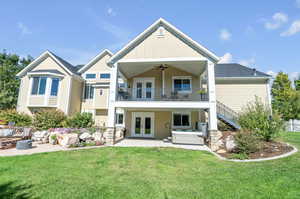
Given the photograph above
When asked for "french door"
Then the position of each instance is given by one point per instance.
(142, 124)
(143, 88)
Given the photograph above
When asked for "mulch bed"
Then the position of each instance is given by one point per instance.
(268, 149)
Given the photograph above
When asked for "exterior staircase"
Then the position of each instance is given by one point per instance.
(227, 115)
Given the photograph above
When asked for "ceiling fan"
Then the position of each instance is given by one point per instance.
(161, 67)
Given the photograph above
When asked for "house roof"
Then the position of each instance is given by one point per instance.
(232, 70)
(69, 68)
(161, 22)
(94, 60)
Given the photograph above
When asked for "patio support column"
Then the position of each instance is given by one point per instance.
(113, 89)
(212, 96)
(214, 134)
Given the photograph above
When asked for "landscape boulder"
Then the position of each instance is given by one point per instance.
(85, 136)
(40, 136)
(66, 140)
(229, 143)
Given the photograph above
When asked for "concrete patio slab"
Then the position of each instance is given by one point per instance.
(158, 143)
(40, 148)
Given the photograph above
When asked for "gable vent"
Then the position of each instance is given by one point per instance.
(161, 32)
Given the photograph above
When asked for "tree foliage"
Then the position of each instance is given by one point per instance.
(282, 93)
(10, 65)
(297, 83)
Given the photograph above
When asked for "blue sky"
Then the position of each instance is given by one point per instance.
(260, 34)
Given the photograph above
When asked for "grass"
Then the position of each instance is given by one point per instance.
(147, 173)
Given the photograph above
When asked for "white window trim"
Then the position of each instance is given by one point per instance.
(185, 113)
(58, 88)
(143, 80)
(182, 77)
(90, 74)
(90, 85)
(39, 95)
(120, 111)
(103, 72)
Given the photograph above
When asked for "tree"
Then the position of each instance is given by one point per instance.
(297, 83)
(283, 93)
(10, 65)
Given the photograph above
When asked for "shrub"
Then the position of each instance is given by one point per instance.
(246, 142)
(240, 156)
(48, 118)
(259, 119)
(80, 120)
(11, 115)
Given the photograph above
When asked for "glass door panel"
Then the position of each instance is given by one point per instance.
(148, 90)
(147, 125)
(138, 126)
(139, 90)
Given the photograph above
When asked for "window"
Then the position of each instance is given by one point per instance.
(181, 120)
(182, 84)
(104, 75)
(39, 85)
(88, 91)
(54, 86)
(90, 76)
(120, 118)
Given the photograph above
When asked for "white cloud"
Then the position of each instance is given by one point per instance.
(225, 35)
(120, 34)
(24, 29)
(293, 29)
(298, 3)
(111, 12)
(226, 58)
(247, 62)
(278, 19)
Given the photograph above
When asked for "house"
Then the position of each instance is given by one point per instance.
(159, 83)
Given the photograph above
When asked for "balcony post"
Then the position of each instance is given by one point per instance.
(212, 96)
(113, 90)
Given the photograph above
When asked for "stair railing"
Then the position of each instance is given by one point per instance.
(226, 111)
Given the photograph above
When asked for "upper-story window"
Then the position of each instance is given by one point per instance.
(54, 86)
(104, 75)
(90, 76)
(39, 86)
(182, 84)
(88, 91)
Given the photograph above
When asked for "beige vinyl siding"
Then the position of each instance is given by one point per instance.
(169, 74)
(162, 122)
(23, 95)
(167, 46)
(101, 117)
(49, 64)
(101, 101)
(62, 99)
(52, 101)
(237, 95)
(75, 99)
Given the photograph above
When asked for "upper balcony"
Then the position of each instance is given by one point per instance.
(163, 83)
(157, 94)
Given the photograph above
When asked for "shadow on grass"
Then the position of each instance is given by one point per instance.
(12, 190)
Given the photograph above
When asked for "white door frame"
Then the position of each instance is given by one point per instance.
(144, 80)
(142, 115)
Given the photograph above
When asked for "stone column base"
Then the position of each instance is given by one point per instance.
(214, 140)
(110, 135)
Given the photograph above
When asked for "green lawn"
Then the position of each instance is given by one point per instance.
(147, 173)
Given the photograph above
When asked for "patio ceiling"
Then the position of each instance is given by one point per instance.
(132, 68)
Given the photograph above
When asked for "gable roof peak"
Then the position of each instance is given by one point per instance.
(198, 47)
(96, 58)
